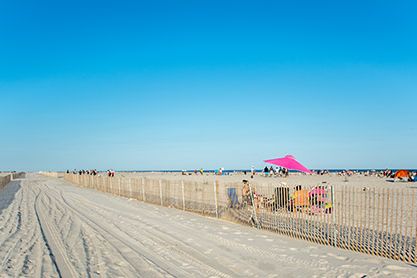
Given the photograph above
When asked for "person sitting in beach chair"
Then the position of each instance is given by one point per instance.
(232, 196)
(319, 200)
(259, 201)
(299, 199)
(270, 204)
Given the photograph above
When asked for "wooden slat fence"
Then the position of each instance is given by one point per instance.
(377, 221)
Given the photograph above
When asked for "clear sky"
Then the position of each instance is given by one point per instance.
(190, 84)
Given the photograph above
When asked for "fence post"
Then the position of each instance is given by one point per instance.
(334, 217)
(130, 188)
(215, 196)
(183, 195)
(119, 184)
(143, 189)
(254, 216)
(160, 192)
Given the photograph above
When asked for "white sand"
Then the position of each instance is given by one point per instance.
(294, 179)
(50, 228)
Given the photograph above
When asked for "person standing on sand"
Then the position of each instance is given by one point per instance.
(252, 172)
(266, 171)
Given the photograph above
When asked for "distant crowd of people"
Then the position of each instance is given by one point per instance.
(84, 172)
(268, 172)
(281, 172)
(94, 172)
(196, 172)
(271, 172)
(219, 172)
(387, 173)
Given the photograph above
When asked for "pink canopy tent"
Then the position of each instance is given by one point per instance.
(290, 163)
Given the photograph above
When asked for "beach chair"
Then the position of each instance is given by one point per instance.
(301, 200)
(282, 197)
(232, 197)
(319, 200)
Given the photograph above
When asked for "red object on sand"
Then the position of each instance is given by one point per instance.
(402, 174)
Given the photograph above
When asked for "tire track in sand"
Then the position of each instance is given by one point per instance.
(53, 242)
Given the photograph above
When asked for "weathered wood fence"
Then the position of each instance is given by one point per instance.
(4, 180)
(377, 221)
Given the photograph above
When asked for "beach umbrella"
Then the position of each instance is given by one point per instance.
(402, 174)
(290, 163)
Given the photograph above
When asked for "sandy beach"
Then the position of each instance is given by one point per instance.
(373, 219)
(51, 228)
(293, 179)
(208, 139)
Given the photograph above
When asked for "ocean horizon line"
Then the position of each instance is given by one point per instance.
(335, 170)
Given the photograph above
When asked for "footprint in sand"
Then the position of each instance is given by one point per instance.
(394, 267)
(337, 257)
(323, 261)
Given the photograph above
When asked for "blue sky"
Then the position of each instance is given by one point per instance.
(190, 84)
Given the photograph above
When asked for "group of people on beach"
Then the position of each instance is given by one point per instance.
(200, 172)
(196, 172)
(403, 175)
(110, 173)
(93, 172)
(271, 172)
(313, 200)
